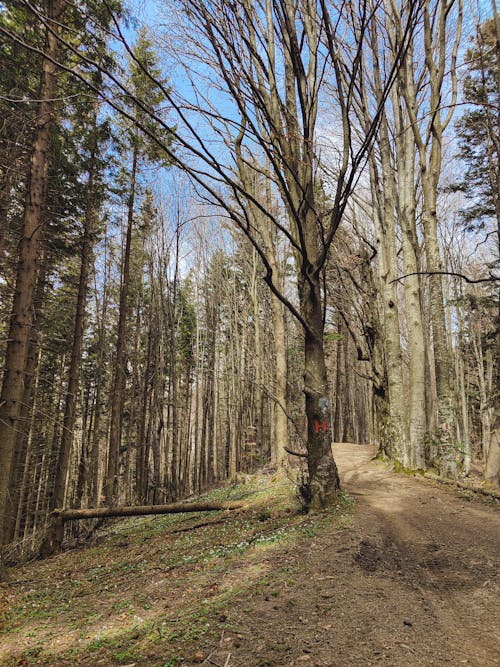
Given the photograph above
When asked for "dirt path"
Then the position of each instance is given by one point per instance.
(405, 578)
(412, 581)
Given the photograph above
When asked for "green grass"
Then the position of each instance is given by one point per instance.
(142, 592)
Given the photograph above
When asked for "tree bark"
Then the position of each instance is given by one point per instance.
(439, 61)
(118, 391)
(21, 319)
(413, 299)
(324, 482)
(492, 468)
(63, 461)
(144, 510)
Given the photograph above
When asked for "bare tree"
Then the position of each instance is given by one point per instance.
(271, 60)
(423, 90)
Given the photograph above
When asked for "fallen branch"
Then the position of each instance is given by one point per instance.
(194, 526)
(462, 485)
(292, 453)
(142, 510)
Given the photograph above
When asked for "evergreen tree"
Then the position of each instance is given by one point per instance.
(479, 131)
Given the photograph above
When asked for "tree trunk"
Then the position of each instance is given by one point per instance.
(428, 130)
(280, 442)
(258, 348)
(94, 472)
(394, 442)
(413, 299)
(63, 462)
(339, 372)
(21, 319)
(492, 469)
(442, 354)
(324, 482)
(118, 391)
(27, 414)
(26, 469)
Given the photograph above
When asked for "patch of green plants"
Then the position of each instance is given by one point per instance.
(172, 662)
(130, 654)
(400, 468)
(271, 522)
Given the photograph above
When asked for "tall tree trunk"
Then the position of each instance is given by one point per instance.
(413, 299)
(63, 461)
(258, 389)
(439, 63)
(118, 391)
(22, 509)
(213, 466)
(95, 453)
(280, 443)
(21, 319)
(442, 352)
(27, 411)
(339, 372)
(347, 406)
(394, 443)
(143, 445)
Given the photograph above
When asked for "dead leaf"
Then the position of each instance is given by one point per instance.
(200, 656)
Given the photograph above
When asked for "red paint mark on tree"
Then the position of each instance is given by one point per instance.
(317, 426)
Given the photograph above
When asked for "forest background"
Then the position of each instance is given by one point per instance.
(231, 234)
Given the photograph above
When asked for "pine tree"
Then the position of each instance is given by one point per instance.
(479, 131)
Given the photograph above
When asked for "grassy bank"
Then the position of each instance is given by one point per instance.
(158, 591)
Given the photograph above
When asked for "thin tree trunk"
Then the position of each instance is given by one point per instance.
(26, 415)
(280, 442)
(428, 140)
(339, 372)
(27, 458)
(118, 391)
(63, 461)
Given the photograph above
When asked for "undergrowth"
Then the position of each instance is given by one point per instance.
(151, 590)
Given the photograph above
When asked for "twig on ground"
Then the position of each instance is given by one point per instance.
(197, 525)
(212, 662)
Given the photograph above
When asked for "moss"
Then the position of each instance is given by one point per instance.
(400, 468)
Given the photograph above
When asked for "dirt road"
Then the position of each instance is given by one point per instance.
(412, 581)
(408, 577)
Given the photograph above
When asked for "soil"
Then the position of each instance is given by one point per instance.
(406, 577)
(413, 581)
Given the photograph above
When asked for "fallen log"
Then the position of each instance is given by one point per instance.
(141, 510)
(55, 530)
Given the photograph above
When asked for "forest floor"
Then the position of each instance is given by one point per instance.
(403, 575)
